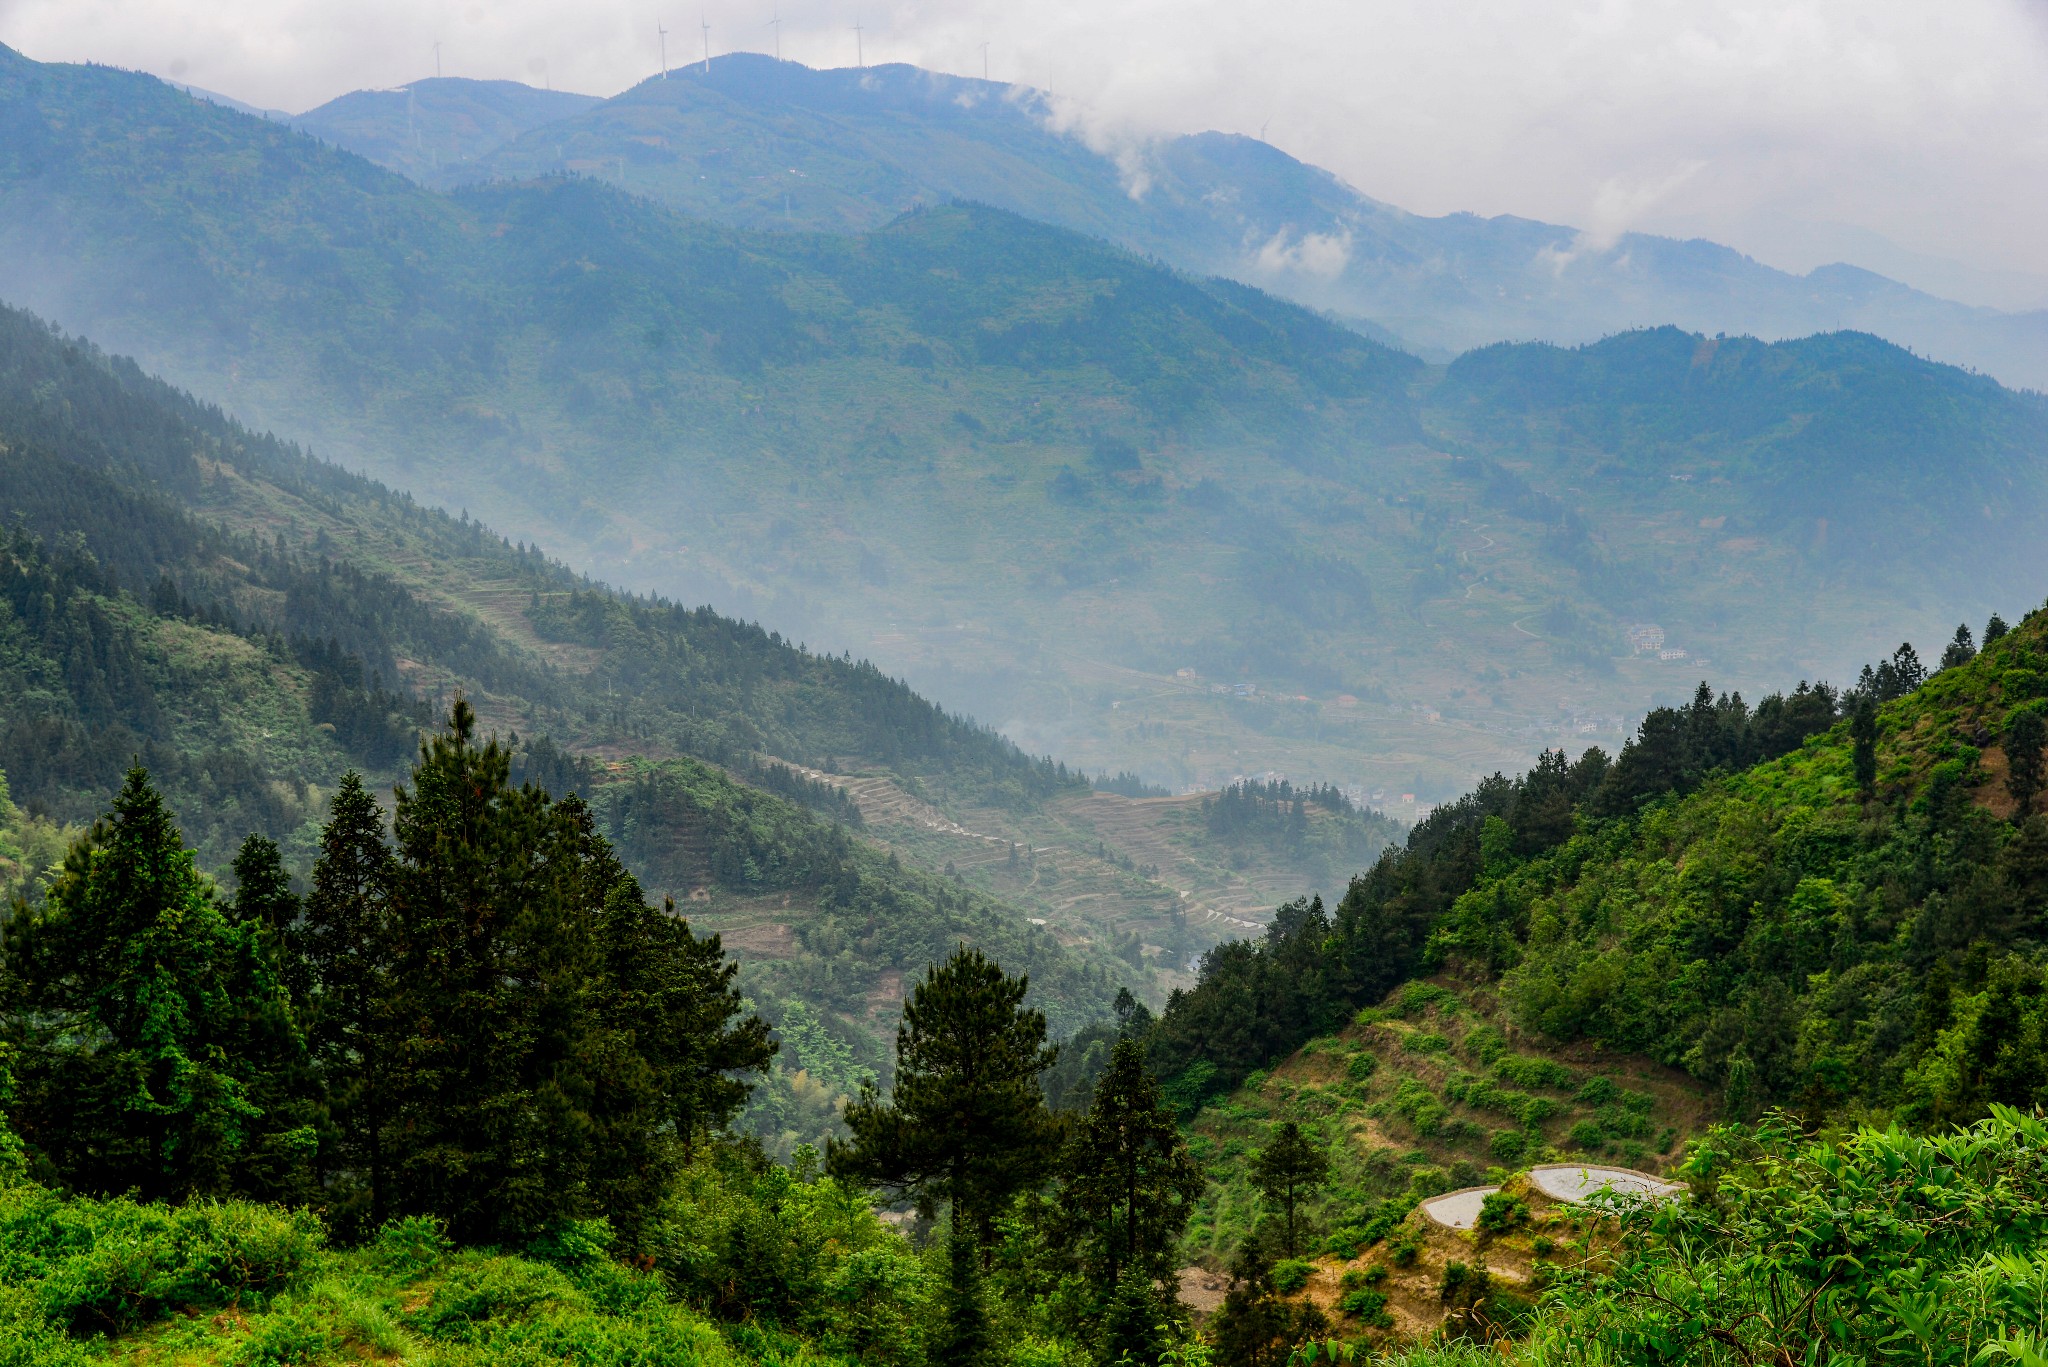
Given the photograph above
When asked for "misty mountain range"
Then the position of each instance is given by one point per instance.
(1141, 518)
(750, 141)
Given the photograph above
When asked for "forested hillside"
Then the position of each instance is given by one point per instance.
(248, 623)
(381, 1144)
(1821, 903)
(1149, 521)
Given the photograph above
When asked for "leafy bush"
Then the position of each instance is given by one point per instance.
(1500, 1212)
(1598, 1091)
(1884, 1246)
(1418, 997)
(1292, 1274)
(1532, 1072)
(750, 1240)
(108, 1266)
(1361, 1067)
(1508, 1146)
(1368, 1307)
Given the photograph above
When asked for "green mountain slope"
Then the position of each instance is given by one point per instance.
(1141, 521)
(249, 623)
(1844, 936)
(1822, 440)
(438, 124)
(768, 144)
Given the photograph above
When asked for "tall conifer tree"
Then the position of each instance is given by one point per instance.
(966, 1126)
(158, 1049)
(349, 947)
(1129, 1184)
(2025, 734)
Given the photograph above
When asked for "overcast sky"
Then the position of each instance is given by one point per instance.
(1907, 135)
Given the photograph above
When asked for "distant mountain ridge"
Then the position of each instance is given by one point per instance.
(1140, 519)
(758, 143)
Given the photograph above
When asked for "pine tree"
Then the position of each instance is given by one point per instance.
(1863, 750)
(676, 1029)
(348, 943)
(1994, 629)
(1961, 649)
(263, 890)
(1128, 1182)
(2024, 736)
(162, 1049)
(492, 1027)
(1287, 1171)
(966, 1125)
(1255, 1327)
(546, 1037)
(1134, 1323)
(964, 1340)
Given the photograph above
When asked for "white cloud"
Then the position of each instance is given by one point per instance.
(1926, 123)
(1322, 255)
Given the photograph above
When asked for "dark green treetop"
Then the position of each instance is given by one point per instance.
(966, 1125)
(156, 1041)
(1128, 1183)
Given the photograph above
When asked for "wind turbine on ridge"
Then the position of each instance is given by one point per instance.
(706, 25)
(662, 33)
(776, 24)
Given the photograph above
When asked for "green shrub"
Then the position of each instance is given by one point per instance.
(574, 1243)
(1418, 997)
(1500, 1212)
(1508, 1146)
(108, 1266)
(1521, 1071)
(1587, 1135)
(1419, 1106)
(1367, 1307)
(1361, 1067)
(1426, 1042)
(1598, 1091)
(1292, 1274)
(1485, 1044)
(752, 1241)
(1619, 1122)
(408, 1247)
(1406, 1250)
(1463, 1284)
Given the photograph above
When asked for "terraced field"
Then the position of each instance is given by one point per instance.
(1432, 1091)
(1140, 872)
